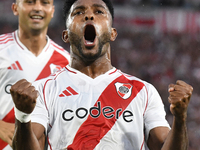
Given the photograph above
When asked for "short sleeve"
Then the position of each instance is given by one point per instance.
(155, 114)
(40, 113)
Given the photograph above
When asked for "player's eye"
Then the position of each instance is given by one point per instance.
(30, 1)
(99, 12)
(46, 2)
(79, 13)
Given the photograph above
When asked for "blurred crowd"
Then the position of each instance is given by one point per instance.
(161, 3)
(162, 59)
(159, 58)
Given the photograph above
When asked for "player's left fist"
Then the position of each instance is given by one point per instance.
(179, 98)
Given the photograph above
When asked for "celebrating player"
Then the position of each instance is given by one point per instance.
(92, 105)
(26, 53)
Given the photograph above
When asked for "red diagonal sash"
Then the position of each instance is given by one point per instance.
(56, 59)
(94, 129)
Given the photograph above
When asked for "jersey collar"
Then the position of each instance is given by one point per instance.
(23, 47)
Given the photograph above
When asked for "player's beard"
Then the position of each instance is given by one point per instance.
(77, 42)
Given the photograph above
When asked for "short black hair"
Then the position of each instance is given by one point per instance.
(69, 3)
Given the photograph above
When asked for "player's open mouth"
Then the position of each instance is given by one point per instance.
(90, 35)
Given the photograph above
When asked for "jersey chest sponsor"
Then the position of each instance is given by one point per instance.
(108, 112)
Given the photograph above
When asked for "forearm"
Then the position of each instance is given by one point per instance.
(24, 138)
(177, 138)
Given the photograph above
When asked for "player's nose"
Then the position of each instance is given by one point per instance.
(89, 15)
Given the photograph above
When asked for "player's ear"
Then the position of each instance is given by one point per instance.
(113, 34)
(53, 11)
(14, 9)
(65, 36)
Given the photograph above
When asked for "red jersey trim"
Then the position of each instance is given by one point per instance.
(44, 97)
(17, 41)
(113, 72)
(44, 94)
(70, 70)
(56, 46)
(47, 47)
(49, 143)
(147, 101)
(142, 145)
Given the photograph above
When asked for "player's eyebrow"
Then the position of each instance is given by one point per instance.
(83, 7)
(79, 7)
(98, 5)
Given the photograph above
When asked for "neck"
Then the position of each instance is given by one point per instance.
(92, 69)
(34, 42)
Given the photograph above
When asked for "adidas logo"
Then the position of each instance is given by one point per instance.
(68, 92)
(15, 66)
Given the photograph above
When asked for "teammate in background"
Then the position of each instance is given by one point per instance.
(26, 53)
(90, 104)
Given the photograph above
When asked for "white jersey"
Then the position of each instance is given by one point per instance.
(17, 62)
(113, 111)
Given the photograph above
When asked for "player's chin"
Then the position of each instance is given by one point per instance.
(38, 27)
(89, 57)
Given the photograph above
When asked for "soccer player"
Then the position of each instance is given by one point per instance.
(90, 104)
(26, 53)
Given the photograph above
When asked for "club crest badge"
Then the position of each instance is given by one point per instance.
(124, 90)
(54, 68)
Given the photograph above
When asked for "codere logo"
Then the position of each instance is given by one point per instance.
(108, 112)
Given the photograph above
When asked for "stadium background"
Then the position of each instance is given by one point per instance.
(158, 41)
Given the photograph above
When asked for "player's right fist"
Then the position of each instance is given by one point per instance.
(24, 96)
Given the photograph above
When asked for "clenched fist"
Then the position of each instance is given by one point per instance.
(24, 96)
(179, 97)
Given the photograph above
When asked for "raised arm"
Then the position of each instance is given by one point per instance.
(27, 135)
(177, 138)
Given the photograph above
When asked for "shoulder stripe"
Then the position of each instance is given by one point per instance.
(6, 41)
(57, 46)
(5, 38)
